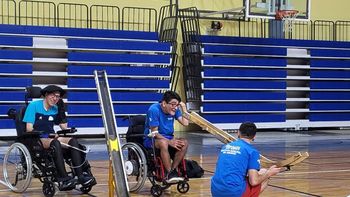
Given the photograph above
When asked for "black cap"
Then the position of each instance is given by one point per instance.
(52, 89)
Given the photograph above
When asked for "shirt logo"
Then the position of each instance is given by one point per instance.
(231, 150)
(50, 118)
(171, 118)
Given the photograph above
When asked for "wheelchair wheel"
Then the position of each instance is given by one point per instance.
(49, 189)
(183, 187)
(156, 190)
(17, 168)
(85, 190)
(135, 164)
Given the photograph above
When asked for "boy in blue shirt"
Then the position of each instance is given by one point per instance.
(238, 170)
(41, 115)
(160, 124)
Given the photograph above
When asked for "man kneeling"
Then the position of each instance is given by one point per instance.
(238, 170)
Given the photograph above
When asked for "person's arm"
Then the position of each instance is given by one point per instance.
(182, 119)
(255, 178)
(63, 126)
(29, 117)
(29, 127)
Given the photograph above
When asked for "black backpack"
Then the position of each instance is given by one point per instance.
(136, 129)
(193, 169)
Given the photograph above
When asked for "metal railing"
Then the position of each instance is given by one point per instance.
(104, 17)
(8, 12)
(139, 19)
(38, 13)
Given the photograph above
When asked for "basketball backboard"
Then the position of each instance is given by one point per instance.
(267, 8)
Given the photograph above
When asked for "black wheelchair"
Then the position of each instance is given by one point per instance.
(26, 158)
(141, 163)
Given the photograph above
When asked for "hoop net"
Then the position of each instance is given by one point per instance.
(288, 18)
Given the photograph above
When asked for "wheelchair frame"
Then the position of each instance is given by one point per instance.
(140, 167)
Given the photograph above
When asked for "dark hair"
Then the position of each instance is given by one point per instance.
(170, 95)
(51, 89)
(248, 130)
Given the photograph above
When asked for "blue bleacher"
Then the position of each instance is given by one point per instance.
(330, 85)
(120, 83)
(218, 72)
(119, 45)
(81, 122)
(329, 53)
(16, 55)
(248, 84)
(273, 42)
(333, 63)
(329, 106)
(330, 95)
(16, 68)
(251, 107)
(330, 74)
(15, 82)
(119, 58)
(16, 41)
(239, 118)
(118, 108)
(244, 61)
(329, 116)
(239, 95)
(77, 32)
(250, 50)
(116, 96)
(12, 95)
(120, 70)
(137, 64)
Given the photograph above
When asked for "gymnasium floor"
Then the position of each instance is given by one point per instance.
(325, 173)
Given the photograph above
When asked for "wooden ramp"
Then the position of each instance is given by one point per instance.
(225, 138)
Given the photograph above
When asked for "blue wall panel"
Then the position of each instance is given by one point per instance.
(15, 82)
(16, 55)
(326, 63)
(329, 95)
(329, 85)
(16, 68)
(118, 108)
(330, 106)
(256, 50)
(329, 116)
(16, 41)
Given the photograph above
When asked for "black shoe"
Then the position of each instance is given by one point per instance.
(86, 180)
(67, 184)
(173, 177)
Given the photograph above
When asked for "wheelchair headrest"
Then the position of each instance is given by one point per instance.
(33, 92)
(137, 120)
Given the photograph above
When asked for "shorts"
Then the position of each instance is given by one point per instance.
(251, 191)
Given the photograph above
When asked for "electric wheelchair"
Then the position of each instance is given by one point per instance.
(26, 158)
(141, 163)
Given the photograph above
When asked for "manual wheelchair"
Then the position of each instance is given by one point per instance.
(26, 158)
(141, 163)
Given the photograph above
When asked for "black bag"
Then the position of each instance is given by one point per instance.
(136, 129)
(193, 169)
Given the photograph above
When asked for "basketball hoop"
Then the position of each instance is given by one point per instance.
(287, 17)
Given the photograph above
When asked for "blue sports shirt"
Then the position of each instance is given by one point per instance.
(157, 118)
(235, 159)
(41, 119)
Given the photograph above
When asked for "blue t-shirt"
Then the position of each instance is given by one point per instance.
(235, 159)
(41, 119)
(157, 118)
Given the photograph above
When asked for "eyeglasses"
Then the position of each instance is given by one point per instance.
(57, 96)
(173, 104)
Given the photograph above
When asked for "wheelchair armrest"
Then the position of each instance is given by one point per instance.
(65, 131)
(32, 134)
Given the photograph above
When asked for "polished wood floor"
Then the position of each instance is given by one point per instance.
(325, 173)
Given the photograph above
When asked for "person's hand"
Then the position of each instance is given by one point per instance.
(183, 106)
(273, 170)
(177, 144)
